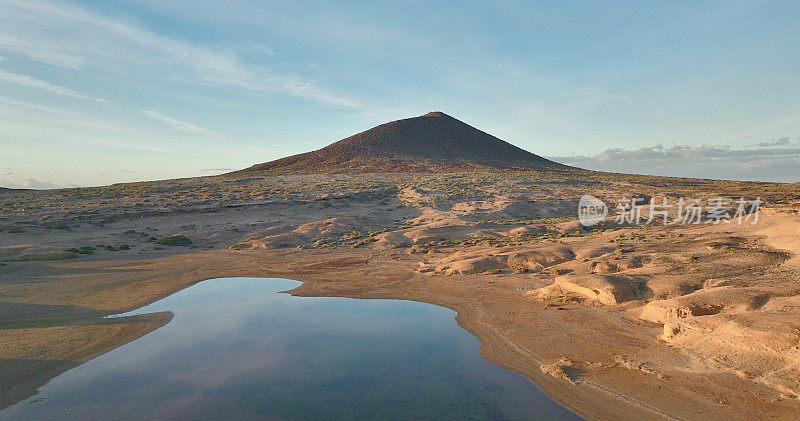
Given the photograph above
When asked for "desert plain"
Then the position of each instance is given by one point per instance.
(613, 321)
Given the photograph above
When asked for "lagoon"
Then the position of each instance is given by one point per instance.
(238, 348)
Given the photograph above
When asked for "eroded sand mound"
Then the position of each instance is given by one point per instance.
(602, 289)
(758, 346)
(284, 237)
(532, 259)
(727, 298)
(705, 302)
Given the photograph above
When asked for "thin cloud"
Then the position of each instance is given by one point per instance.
(32, 106)
(178, 124)
(23, 127)
(37, 30)
(30, 82)
(776, 124)
(27, 183)
(784, 141)
(116, 172)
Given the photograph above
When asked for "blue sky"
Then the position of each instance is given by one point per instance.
(97, 92)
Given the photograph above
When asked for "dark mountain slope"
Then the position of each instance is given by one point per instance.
(433, 142)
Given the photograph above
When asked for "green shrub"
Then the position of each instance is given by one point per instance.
(175, 240)
(82, 250)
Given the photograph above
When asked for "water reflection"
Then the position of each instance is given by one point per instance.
(238, 349)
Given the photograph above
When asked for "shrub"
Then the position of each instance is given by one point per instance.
(175, 240)
(82, 250)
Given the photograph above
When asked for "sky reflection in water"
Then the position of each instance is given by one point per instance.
(239, 349)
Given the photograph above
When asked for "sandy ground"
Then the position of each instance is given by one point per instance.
(641, 322)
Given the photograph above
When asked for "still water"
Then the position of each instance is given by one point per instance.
(237, 348)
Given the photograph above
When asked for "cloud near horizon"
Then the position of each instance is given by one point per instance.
(216, 169)
(777, 160)
(27, 183)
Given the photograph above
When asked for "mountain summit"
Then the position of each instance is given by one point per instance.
(434, 142)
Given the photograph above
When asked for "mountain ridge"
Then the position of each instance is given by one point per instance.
(433, 142)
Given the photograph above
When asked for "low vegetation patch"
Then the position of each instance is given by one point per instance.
(11, 229)
(358, 238)
(175, 240)
(58, 226)
(530, 221)
(110, 247)
(82, 250)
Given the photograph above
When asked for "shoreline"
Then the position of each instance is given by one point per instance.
(647, 322)
(22, 378)
(364, 277)
(493, 347)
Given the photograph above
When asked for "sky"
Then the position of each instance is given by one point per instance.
(100, 92)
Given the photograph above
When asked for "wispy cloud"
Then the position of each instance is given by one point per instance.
(116, 172)
(216, 169)
(32, 106)
(27, 183)
(178, 124)
(785, 121)
(18, 125)
(776, 160)
(784, 141)
(30, 82)
(37, 29)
